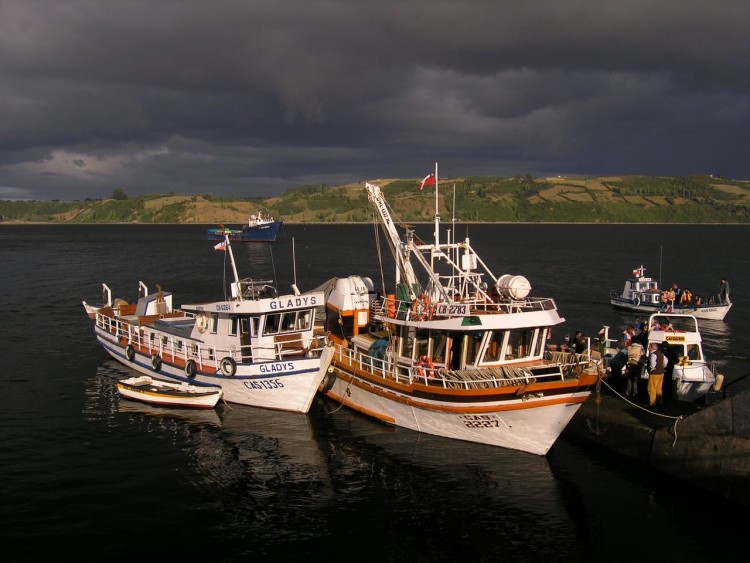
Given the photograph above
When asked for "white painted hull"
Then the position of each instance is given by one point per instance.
(692, 383)
(709, 312)
(156, 392)
(289, 385)
(530, 425)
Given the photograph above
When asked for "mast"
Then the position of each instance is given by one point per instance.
(236, 290)
(437, 214)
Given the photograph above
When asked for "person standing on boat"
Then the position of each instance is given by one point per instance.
(724, 292)
(627, 336)
(636, 362)
(672, 360)
(580, 343)
(657, 363)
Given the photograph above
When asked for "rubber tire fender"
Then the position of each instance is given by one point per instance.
(130, 353)
(190, 369)
(228, 366)
(156, 362)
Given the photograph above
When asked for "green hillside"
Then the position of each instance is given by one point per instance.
(628, 199)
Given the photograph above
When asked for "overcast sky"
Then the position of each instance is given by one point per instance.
(253, 97)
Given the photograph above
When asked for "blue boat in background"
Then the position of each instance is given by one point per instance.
(258, 229)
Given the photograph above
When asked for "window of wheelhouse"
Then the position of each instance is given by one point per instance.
(473, 346)
(245, 325)
(520, 344)
(288, 321)
(421, 343)
(273, 322)
(233, 326)
(304, 319)
(214, 322)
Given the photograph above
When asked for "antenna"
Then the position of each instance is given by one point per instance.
(294, 267)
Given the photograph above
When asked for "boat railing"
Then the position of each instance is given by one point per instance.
(154, 342)
(558, 366)
(421, 310)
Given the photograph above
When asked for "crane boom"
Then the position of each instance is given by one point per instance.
(400, 251)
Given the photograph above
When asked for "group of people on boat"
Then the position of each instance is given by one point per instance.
(643, 368)
(675, 295)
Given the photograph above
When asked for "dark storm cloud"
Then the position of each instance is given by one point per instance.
(251, 97)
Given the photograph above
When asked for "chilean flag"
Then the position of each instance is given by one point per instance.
(428, 180)
(221, 246)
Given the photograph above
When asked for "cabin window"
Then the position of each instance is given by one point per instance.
(693, 352)
(473, 346)
(272, 324)
(538, 349)
(179, 345)
(255, 325)
(214, 322)
(245, 326)
(440, 340)
(288, 320)
(422, 344)
(304, 319)
(494, 345)
(234, 323)
(408, 342)
(519, 343)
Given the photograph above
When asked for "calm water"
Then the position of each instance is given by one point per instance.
(87, 476)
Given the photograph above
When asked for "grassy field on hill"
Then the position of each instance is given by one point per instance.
(627, 199)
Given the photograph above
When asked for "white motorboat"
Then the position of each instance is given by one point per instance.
(641, 294)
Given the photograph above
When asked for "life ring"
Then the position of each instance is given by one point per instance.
(421, 309)
(190, 369)
(636, 301)
(129, 353)
(202, 322)
(425, 362)
(228, 366)
(156, 362)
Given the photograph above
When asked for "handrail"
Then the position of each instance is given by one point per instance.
(481, 377)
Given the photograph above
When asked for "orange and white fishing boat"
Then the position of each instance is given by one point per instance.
(457, 352)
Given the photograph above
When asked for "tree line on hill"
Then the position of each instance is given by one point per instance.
(631, 199)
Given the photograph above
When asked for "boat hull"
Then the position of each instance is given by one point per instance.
(709, 312)
(260, 233)
(527, 420)
(156, 392)
(280, 385)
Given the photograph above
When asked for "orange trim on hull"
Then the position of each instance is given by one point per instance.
(583, 380)
(363, 410)
(463, 409)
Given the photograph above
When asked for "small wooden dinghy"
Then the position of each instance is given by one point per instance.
(155, 391)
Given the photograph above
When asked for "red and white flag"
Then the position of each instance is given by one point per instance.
(221, 246)
(428, 180)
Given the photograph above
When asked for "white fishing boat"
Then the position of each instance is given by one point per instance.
(458, 352)
(146, 389)
(692, 376)
(257, 346)
(642, 294)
